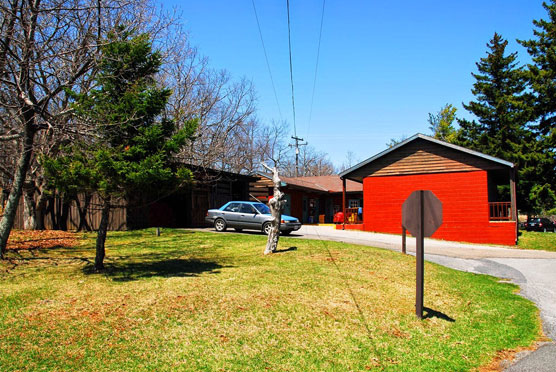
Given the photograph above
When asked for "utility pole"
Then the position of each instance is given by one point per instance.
(297, 144)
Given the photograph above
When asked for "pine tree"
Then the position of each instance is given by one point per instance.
(541, 75)
(132, 151)
(502, 110)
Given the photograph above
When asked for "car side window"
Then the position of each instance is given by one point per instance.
(233, 207)
(247, 208)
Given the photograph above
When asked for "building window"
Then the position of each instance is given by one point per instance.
(354, 203)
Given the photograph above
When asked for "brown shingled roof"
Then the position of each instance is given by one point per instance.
(331, 183)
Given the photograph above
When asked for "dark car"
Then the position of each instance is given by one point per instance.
(540, 224)
(248, 215)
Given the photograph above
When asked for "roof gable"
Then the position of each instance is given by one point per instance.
(423, 154)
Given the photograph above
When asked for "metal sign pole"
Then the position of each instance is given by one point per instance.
(421, 216)
(404, 240)
(420, 258)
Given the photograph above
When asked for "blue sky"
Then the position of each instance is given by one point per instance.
(384, 65)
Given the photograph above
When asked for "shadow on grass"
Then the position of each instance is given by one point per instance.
(285, 250)
(430, 313)
(165, 268)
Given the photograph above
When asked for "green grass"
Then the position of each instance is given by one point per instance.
(537, 240)
(194, 301)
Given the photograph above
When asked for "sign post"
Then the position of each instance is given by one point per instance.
(421, 216)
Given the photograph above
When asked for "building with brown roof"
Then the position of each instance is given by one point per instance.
(471, 186)
(310, 199)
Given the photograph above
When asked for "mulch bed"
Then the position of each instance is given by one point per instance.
(43, 239)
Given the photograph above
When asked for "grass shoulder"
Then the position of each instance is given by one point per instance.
(537, 240)
(195, 301)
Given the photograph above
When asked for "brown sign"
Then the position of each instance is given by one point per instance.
(421, 216)
(432, 212)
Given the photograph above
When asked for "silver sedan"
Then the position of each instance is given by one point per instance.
(248, 215)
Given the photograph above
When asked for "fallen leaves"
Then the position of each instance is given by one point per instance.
(41, 239)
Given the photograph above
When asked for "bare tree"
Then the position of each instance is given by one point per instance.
(47, 47)
(272, 144)
(224, 109)
(276, 204)
(349, 162)
(313, 163)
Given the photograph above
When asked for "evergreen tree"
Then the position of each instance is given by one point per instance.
(441, 124)
(502, 110)
(132, 151)
(541, 75)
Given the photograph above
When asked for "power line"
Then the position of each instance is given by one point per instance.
(297, 144)
(316, 69)
(291, 66)
(266, 58)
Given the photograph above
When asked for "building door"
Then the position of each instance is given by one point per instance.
(329, 212)
(305, 210)
(287, 205)
(200, 205)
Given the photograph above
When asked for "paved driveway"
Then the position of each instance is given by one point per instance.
(533, 271)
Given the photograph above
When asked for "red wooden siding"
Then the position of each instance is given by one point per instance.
(465, 206)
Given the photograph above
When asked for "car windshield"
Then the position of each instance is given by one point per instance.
(535, 220)
(262, 208)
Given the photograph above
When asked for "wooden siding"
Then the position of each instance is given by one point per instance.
(424, 157)
(464, 198)
(260, 188)
(118, 215)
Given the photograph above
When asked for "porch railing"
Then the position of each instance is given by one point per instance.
(352, 216)
(500, 211)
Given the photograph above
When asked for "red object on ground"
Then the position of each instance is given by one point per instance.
(338, 217)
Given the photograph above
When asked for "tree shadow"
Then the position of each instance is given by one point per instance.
(285, 250)
(52, 255)
(166, 268)
(430, 313)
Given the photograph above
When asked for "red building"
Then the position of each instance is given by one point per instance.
(477, 190)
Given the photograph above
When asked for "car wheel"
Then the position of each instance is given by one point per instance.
(238, 229)
(286, 232)
(220, 225)
(267, 227)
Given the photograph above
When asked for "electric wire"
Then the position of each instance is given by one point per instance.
(291, 66)
(266, 59)
(316, 70)
(362, 317)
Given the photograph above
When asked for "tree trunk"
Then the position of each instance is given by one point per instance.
(83, 224)
(64, 214)
(8, 219)
(274, 235)
(276, 204)
(101, 236)
(41, 210)
(51, 207)
(29, 207)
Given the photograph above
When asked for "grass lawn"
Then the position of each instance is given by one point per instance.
(201, 301)
(537, 240)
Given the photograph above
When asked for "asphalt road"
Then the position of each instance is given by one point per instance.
(533, 271)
